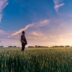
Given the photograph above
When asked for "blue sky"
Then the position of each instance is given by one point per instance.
(18, 13)
(47, 20)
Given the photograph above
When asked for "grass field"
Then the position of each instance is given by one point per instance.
(36, 60)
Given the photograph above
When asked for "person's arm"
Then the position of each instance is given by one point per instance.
(25, 41)
(21, 38)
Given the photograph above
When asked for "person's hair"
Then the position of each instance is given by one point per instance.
(23, 32)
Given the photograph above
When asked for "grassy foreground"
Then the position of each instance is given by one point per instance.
(36, 60)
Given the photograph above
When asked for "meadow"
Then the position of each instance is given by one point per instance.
(36, 60)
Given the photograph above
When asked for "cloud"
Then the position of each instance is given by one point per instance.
(45, 32)
(44, 39)
(58, 4)
(3, 4)
(33, 25)
(34, 36)
(44, 22)
(9, 42)
(2, 32)
(37, 34)
(37, 38)
(23, 29)
(58, 34)
(5, 41)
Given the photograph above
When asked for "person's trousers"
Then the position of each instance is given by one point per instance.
(23, 46)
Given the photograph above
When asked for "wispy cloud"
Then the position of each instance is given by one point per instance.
(33, 25)
(38, 34)
(3, 4)
(23, 29)
(58, 4)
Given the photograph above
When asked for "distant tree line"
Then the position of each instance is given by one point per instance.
(36, 46)
(12, 46)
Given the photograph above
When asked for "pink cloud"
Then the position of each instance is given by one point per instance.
(10, 42)
(2, 32)
(37, 34)
(44, 22)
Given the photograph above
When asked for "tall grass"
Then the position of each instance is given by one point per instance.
(36, 60)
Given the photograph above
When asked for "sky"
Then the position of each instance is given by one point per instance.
(46, 22)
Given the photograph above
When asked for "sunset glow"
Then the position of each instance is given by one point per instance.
(46, 22)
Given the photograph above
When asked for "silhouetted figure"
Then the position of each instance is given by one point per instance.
(23, 40)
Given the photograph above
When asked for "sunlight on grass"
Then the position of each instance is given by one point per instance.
(36, 60)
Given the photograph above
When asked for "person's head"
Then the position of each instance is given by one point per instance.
(23, 32)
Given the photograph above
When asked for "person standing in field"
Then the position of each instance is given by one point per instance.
(23, 40)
